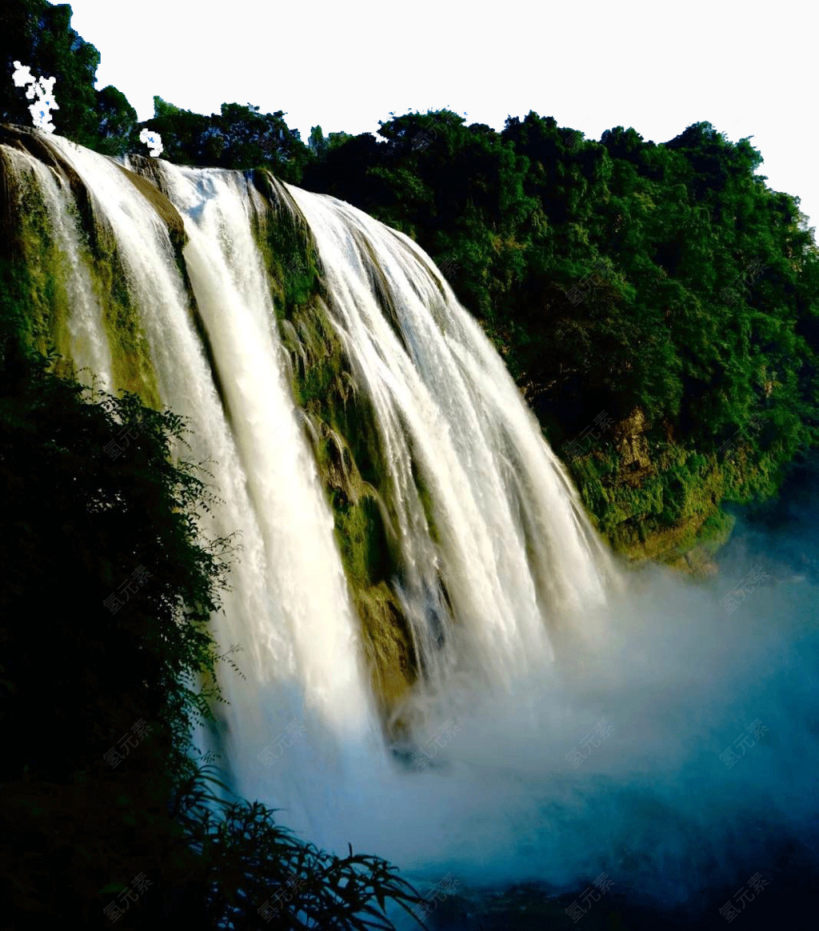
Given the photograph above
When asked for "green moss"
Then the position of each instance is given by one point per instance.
(426, 503)
(34, 271)
(675, 505)
(33, 297)
(133, 368)
(151, 191)
(284, 239)
(390, 654)
(371, 560)
(362, 537)
(346, 443)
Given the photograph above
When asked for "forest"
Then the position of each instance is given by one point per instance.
(657, 305)
(656, 302)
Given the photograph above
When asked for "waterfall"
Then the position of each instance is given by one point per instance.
(491, 555)
(515, 554)
(431, 654)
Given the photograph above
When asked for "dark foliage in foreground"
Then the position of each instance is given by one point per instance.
(104, 658)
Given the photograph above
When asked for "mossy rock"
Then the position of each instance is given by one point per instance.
(169, 215)
(33, 299)
(389, 651)
(346, 443)
(33, 268)
(668, 508)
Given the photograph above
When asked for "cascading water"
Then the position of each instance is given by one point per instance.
(512, 556)
(515, 552)
(87, 345)
(436, 588)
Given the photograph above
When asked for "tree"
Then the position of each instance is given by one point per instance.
(40, 35)
(106, 590)
(237, 137)
(117, 123)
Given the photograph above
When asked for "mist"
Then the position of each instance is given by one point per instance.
(673, 750)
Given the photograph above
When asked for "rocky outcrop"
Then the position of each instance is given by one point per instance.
(651, 497)
(632, 446)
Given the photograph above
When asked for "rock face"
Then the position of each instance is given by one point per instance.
(652, 498)
(632, 446)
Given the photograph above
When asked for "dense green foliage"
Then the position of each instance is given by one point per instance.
(237, 137)
(40, 35)
(663, 283)
(91, 501)
(106, 664)
(662, 289)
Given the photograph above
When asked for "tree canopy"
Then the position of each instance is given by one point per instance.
(660, 283)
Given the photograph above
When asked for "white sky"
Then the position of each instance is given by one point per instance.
(747, 67)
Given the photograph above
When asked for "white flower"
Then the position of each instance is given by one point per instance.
(153, 140)
(41, 91)
(22, 75)
(49, 103)
(41, 117)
